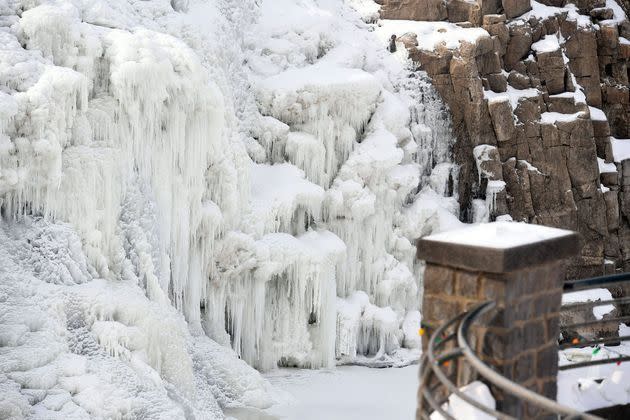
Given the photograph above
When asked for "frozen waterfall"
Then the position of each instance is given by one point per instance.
(191, 190)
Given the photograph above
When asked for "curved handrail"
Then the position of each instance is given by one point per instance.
(595, 283)
(443, 348)
(500, 380)
(431, 368)
(447, 382)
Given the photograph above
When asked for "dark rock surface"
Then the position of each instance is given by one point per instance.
(546, 139)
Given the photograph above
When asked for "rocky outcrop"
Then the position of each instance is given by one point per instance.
(534, 105)
(451, 10)
(413, 9)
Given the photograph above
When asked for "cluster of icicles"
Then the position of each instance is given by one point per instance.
(302, 260)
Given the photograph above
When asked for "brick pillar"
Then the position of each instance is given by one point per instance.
(522, 268)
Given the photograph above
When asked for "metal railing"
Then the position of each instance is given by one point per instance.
(437, 384)
(449, 344)
(577, 340)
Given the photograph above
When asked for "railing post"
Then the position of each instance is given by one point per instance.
(522, 268)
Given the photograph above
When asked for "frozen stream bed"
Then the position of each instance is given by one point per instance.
(345, 393)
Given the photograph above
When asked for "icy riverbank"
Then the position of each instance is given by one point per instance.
(347, 393)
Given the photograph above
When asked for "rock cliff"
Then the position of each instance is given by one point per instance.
(539, 96)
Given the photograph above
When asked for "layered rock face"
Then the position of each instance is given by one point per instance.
(540, 103)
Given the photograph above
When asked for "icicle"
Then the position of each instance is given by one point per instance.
(493, 188)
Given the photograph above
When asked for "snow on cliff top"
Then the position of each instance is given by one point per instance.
(549, 43)
(554, 117)
(512, 94)
(541, 11)
(606, 167)
(283, 15)
(367, 9)
(620, 149)
(319, 75)
(499, 235)
(597, 114)
(618, 13)
(430, 34)
(276, 192)
(323, 242)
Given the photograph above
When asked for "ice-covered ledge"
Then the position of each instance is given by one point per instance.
(498, 247)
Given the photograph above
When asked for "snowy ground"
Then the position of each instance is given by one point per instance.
(347, 393)
(391, 393)
(595, 387)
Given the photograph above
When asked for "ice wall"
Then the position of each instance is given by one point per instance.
(365, 137)
(121, 165)
(189, 186)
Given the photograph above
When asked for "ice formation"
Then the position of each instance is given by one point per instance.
(189, 189)
(350, 143)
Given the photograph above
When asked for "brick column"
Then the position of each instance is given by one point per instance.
(522, 268)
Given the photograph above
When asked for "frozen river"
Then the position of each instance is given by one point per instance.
(345, 393)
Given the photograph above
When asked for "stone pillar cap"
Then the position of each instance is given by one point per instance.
(498, 247)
